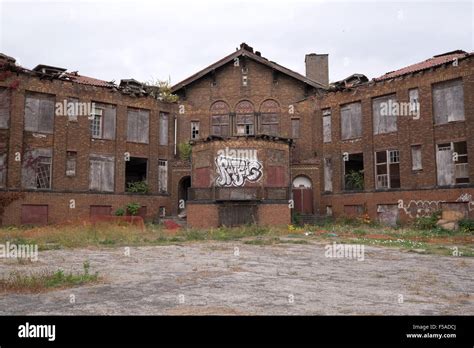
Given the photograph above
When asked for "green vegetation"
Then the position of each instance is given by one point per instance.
(133, 208)
(427, 222)
(138, 187)
(466, 225)
(19, 282)
(355, 180)
(185, 150)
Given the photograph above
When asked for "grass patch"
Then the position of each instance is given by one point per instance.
(46, 280)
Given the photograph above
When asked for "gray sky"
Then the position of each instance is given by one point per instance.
(146, 40)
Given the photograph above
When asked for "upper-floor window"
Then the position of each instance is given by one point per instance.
(5, 97)
(295, 128)
(244, 118)
(102, 121)
(413, 96)
(351, 121)
(3, 169)
(327, 125)
(138, 125)
(220, 119)
(385, 114)
(194, 130)
(39, 112)
(448, 101)
(164, 124)
(270, 117)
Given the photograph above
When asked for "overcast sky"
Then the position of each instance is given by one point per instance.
(146, 40)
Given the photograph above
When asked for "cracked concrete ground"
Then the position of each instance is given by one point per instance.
(209, 278)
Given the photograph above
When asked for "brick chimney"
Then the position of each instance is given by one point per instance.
(317, 68)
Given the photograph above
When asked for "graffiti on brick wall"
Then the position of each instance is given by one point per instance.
(466, 198)
(419, 208)
(235, 169)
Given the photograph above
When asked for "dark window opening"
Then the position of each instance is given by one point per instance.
(354, 171)
(136, 175)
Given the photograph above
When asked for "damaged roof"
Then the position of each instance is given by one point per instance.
(435, 61)
(246, 51)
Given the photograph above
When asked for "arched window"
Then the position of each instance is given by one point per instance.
(270, 117)
(220, 119)
(244, 118)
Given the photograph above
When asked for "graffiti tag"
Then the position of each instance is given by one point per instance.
(234, 171)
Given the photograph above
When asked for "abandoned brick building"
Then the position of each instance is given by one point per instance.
(265, 143)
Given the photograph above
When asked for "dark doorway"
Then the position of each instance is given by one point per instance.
(135, 175)
(184, 185)
(236, 214)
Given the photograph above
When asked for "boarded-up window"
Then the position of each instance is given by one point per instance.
(270, 118)
(162, 176)
(387, 169)
(138, 125)
(416, 161)
(245, 118)
(388, 214)
(72, 110)
(102, 173)
(327, 125)
(164, 128)
(5, 97)
(414, 102)
(39, 112)
(220, 119)
(3, 169)
(448, 101)
(276, 176)
(327, 175)
(194, 129)
(32, 214)
(295, 128)
(351, 121)
(452, 163)
(384, 114)
(71, 161)
(353, 210)
(100, 210)
(37, 169)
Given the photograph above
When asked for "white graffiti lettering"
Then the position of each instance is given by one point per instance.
(415, 209)
(467, 198)
(233, 171)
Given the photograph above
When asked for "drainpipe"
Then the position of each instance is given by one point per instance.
(175, 132)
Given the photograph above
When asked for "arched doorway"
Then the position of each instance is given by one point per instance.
(183, 186)
(303, 195)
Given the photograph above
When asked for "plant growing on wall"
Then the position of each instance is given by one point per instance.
(185, 151)
(138, 187)
(120, 212)
(132, 208)
(355, 180)
(161, 90)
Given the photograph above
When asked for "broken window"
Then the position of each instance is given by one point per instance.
(138, 125)
(353, 171)
(39, 112)
(327, 175)
(37, 169)
(270, 118)
(3, 169)
(5, 98)
(135, 172)
(194, 129)
(295, 128)
(245, 118)
(416, 163)
(448, 101)
(220, 119)
(387, 169)
(102, 173)
(71, 163)
(327, 125)
(164, 119)
(163, 176)
(385, 114)
(102, 121)
(452, 163)
(351, 121)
